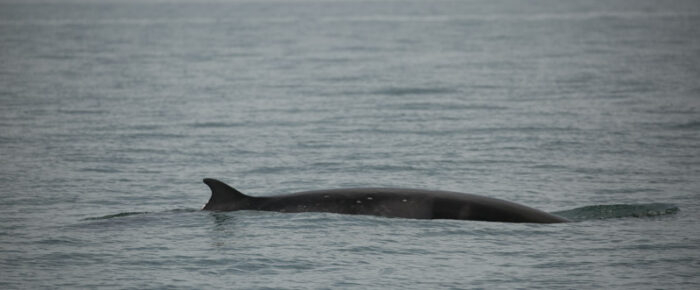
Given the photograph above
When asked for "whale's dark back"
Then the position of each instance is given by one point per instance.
(387, 202)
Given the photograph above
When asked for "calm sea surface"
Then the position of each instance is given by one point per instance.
(111, 113)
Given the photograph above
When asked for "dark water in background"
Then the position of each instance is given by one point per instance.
(112, 113)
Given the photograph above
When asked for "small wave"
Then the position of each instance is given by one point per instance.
(215, 125)
(687, 126)
(122, 214)
(271, 169)
(100, 170)
(396, 91)
(597, 212)
(417, 106)
(83, 112)
(132, 213)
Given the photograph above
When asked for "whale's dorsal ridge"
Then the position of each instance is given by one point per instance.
(388, 202)
(222, 195)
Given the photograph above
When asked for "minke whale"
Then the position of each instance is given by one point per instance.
(385, 202)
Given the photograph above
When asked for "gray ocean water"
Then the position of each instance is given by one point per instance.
(111, 113)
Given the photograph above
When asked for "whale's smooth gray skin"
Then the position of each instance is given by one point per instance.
(386, 202)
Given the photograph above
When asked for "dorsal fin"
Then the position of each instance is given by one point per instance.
(222, 196)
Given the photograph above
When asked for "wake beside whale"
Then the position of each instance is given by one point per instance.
(386, 202)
